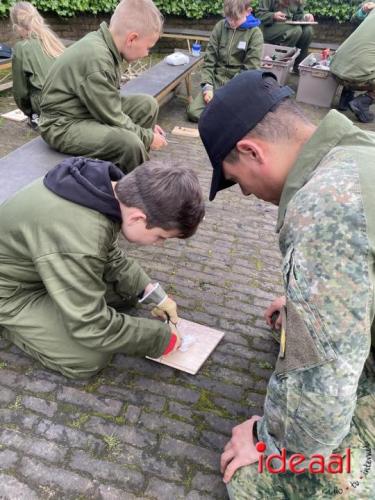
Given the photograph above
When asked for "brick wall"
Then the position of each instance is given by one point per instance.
(74, 28)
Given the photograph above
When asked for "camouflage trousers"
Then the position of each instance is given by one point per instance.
(249, 484)
(368, 85)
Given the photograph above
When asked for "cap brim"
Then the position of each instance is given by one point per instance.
(218, 181)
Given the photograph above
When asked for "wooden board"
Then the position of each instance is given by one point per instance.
(186, 131)
(300, 22)
(16, 115)
(204, 339)
(160, 79)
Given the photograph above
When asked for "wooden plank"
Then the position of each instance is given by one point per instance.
(16, 115)
(6, 86)
(186, 132)
(7, 65)
(201, 38)
(198, 343)
(160, 79)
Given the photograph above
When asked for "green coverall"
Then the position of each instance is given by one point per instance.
(82, 112)
(279, 33)
(354, 62)
(228, 53)
(59, 280)
(30, 65)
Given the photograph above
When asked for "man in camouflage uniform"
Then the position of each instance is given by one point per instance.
(274, 13)
(322, 179)
(353, 65)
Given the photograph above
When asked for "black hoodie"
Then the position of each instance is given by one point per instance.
(87, 182)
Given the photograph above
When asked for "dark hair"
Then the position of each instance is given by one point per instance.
(169, 195)
(281, 122)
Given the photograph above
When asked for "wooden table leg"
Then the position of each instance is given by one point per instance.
(188, 87)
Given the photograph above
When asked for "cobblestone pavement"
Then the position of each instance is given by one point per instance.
(141, 430)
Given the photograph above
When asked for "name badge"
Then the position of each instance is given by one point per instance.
(241, 45)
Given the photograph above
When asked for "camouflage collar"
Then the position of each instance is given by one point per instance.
(327, 136)
(106, 34)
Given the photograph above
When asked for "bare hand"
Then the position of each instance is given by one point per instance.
(207, 96)
(158, 142)
(368, 6)
(308, 17)
(279, 17)
(240, 450)
(275, 307)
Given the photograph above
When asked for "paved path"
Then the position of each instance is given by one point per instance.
(141, 430)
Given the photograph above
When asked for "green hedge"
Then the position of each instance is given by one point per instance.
(197, 9)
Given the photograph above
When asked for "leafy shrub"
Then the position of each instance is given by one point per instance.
(336, 10)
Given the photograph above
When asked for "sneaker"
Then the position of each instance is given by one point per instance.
(361, 108)
(347, 95)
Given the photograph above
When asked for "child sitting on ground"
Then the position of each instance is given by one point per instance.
(32, 58)
(235, 45)
(64, 278)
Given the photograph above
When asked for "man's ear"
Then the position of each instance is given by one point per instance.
(252, 148)
(134, 216)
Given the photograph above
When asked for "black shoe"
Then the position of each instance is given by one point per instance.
(347, 95)
(361, 108)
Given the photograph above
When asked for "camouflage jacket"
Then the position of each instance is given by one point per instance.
(327, 239)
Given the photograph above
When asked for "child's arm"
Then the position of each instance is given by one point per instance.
(211, 56)
(254, 51)
(266, 11)
(20, 84)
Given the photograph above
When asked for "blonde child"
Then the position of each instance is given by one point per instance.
(235, 45)
(32, 57)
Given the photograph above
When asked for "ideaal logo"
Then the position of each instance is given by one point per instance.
(316, 464)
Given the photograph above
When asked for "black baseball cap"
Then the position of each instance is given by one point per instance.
(236, 108)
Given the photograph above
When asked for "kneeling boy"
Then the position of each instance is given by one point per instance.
(62, 269)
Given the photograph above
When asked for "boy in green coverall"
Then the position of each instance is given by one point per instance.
(64, 279)
(274, 13)
(82, 112)
(235, 45)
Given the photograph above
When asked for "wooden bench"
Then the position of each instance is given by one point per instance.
(318, 46)
(186, 34)
(5, 64)
(161, 79)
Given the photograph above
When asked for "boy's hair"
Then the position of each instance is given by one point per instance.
(140, 16)
(170, 196)
(27, 22)
(234, 9)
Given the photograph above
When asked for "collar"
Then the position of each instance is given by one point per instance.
(106, 34)
(327, 136)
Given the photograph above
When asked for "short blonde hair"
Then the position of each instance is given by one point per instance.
(234, 9)
(140, 16)
(27, 22)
